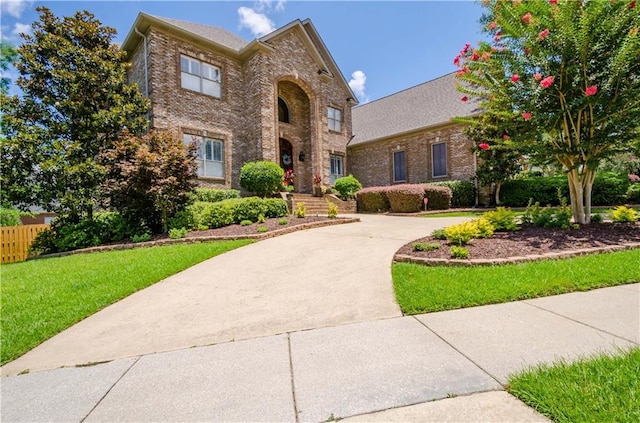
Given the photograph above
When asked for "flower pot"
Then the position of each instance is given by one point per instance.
(317, 191)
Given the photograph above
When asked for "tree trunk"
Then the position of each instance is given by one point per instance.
(497, 193)
(588, 177)
(576, 193)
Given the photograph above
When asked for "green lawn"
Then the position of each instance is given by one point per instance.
(423, 289)
(601, 389)
(40, 298)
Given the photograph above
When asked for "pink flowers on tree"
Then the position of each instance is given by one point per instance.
(543, 34)
(592, 90)
(526, 116)
(526, 18)
(515, 77)
(547, 82)
(483, 146)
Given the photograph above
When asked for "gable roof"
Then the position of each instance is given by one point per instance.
(426, 105)
(233, 44)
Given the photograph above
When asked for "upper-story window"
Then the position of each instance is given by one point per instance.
(200, 77)
(335, 119)
(283, 111)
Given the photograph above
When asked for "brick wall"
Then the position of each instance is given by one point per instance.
(372, 163)
(245, 117)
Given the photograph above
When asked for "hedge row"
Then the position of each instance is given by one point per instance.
(608, 189)
(212, 195)
(405, 198)
(463, 193)
(203, 215)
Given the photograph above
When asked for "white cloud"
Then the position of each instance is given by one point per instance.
(357, 84)
(268, 5)
(20, 28)
(258, 23)
(15, 7)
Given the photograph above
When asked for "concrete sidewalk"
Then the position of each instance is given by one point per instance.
(447, 366)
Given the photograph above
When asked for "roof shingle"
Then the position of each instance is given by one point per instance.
(217, 35)
(431, 103)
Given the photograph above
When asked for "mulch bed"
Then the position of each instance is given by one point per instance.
(532, 240)
(271, 224)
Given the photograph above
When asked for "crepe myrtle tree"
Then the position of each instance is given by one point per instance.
(563, 76)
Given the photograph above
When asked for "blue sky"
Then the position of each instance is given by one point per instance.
(381, 47)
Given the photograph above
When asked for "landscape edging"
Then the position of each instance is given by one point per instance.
(403, 258)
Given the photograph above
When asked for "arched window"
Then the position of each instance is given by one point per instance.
(283, 111)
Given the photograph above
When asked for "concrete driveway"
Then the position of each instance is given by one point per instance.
(310, 279)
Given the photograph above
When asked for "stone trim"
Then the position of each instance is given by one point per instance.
(403, 258)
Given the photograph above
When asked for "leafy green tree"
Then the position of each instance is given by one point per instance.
(149, 178)
(8, 54)
(75, 103)
(568, 73)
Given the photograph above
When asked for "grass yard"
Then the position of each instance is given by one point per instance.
(601, 389)
(40, 298)
(423, 289)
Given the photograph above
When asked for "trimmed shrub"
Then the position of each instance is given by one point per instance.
(216, 215)
(439, 234)
(263, 178)
(182, 219)
(212, 195)
(283, 221)
(246, 223)
(176, 233)
(609, 188)
(9, 217)
(485, 228)
(405, 198)
(439, 197)
(275, 207)
(347, 186)
(373, 199)
(463, 193)
(425, 246)
(459, 252)
(262, 229)
(249, 208)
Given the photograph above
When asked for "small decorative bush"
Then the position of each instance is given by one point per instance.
(624, 214)
(596, 218)
(463, 193)
(405, 198)
(439, 197)
(347, 186)
(212, 195)
(502, 219)
(261, 218)
(246, 223)
(182, 219)
(282, 221)
(332, 210)
(462, 233)
(373, 199)
(425, 246)
(301, 210)
(216, 215)
(485, 228)
(262, 229)
(141, 238)
(547, 217)
(439, 234)
(263, 178)
(249, 208)
(177, 233)
(459, 252)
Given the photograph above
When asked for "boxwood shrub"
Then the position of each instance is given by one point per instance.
(373, 200)
(347, 186)
(439, 196)
(212, 195)
(405, 198)
(204, 215)
(463, 193)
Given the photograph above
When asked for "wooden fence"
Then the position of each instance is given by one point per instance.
(16, 241)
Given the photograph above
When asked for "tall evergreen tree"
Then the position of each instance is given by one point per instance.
(566, 75)
(75, 103)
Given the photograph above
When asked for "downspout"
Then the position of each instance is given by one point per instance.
(146, 66)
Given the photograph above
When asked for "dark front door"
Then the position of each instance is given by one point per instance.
(286, 155)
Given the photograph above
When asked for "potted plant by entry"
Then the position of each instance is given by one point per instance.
(317, 187)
